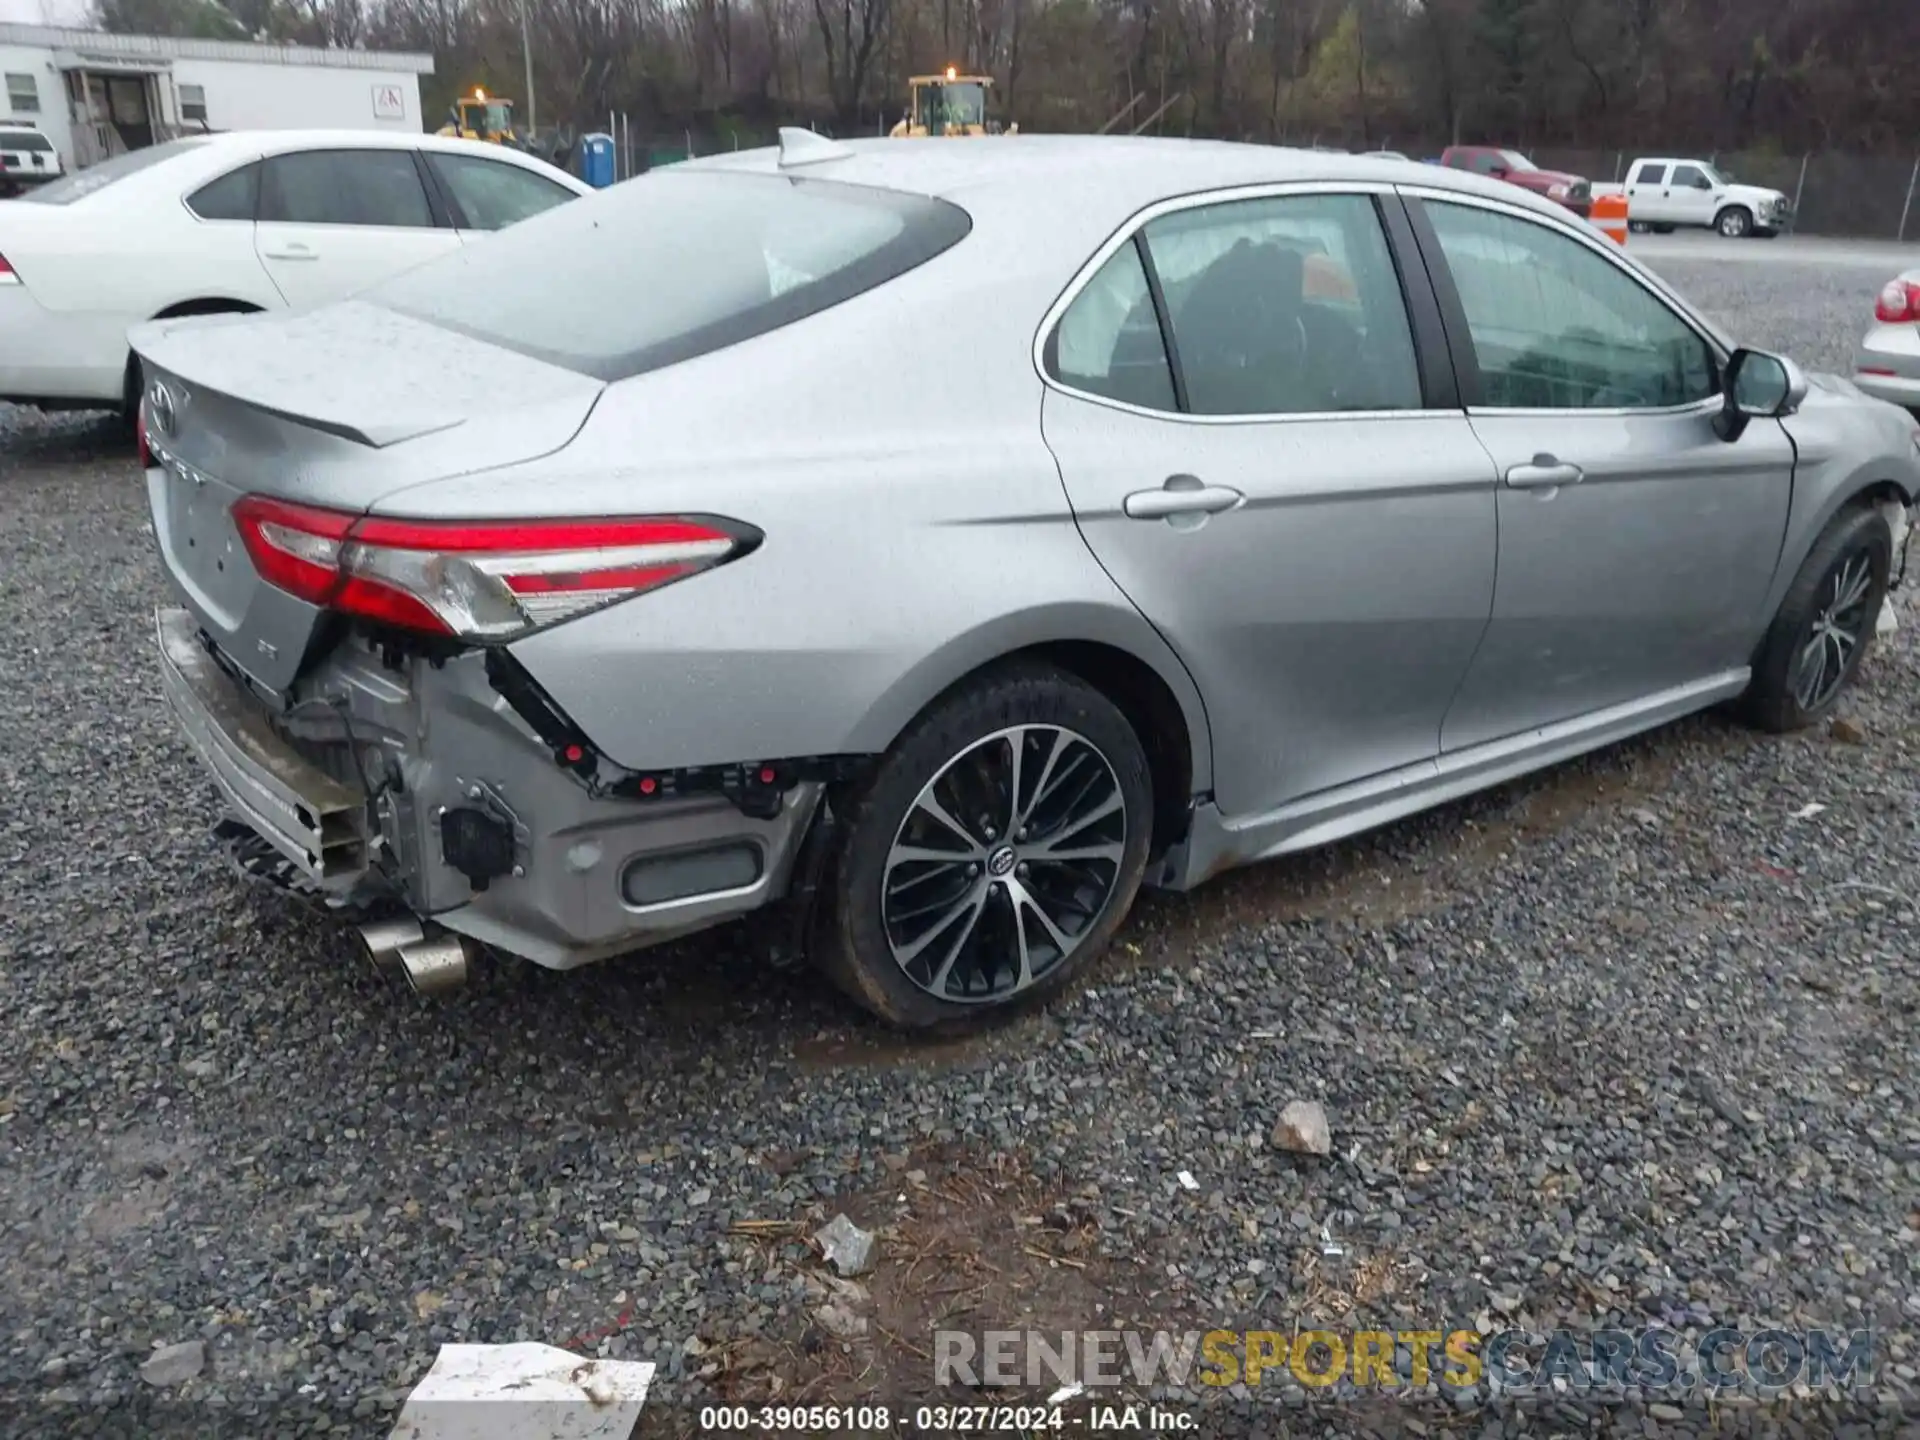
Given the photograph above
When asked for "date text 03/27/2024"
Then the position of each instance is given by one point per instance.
(937, 1419)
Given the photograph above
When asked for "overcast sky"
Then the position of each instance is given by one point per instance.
(44, 12)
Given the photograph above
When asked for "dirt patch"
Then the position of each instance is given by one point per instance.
(964, 1243)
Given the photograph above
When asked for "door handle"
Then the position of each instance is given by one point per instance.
(1181, 495)
(1543, 474)
(293, 252)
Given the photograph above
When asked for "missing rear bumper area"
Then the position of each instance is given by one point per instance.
(404, 783)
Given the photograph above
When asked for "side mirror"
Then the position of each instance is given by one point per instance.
(1758, 386)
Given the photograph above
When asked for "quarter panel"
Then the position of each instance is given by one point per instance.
(829, 638)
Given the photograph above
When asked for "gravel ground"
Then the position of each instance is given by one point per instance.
(1624, 1044)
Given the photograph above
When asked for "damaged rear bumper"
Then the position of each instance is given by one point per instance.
(414, 781)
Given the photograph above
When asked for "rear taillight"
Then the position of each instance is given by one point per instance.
(476, 579)
(1898, 303)
(8, 275)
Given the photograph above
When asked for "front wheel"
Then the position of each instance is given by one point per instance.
(1735, 222)
(1825, 625)
(994, 853)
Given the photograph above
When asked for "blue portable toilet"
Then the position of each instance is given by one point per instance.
(596, 160)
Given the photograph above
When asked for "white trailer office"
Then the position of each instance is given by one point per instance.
(94, 94)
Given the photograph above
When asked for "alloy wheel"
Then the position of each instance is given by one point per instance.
(1733, 224)
(1836, 633)
(1005, 861)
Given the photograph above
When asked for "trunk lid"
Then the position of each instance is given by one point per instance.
(335, 407)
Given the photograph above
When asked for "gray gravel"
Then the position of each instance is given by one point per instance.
(1624, 1044)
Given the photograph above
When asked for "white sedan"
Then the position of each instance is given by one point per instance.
(252, 220)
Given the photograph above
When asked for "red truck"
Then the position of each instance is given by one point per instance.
(1572, 191)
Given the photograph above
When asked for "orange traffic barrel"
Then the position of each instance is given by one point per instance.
(1610, 216)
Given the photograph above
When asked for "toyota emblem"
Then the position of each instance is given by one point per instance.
(160, 412)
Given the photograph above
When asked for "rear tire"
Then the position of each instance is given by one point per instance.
(938, 928)
(1825, 626)
(129, 412)
(1735, 222)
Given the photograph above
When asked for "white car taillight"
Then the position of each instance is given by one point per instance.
(8, 275)
(475, 579)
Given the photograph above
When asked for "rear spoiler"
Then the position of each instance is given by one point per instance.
(350, 369)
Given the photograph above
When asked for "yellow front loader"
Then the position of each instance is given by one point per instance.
(481, 116)
(949, 104)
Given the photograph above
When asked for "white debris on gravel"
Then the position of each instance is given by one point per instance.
(1302, 1128)
(525, 1391)
(847, 1247)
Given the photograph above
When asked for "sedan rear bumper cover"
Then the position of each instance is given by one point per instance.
(1887, 365)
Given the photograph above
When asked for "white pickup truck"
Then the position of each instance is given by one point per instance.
(1664, 194)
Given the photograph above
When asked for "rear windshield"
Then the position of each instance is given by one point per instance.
(23, 140)
(672, 265)
(83, 183)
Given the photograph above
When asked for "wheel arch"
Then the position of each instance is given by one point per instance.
(202, 305)
(1868, 489)
(1125, 661)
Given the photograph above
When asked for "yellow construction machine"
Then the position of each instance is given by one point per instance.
(949, 104)
(481, 116)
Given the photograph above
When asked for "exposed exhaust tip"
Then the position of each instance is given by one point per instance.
(382, 940)
(436, 966)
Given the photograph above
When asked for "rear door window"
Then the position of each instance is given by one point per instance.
(493, 194)
(345, 187)
(1285, 306)
(1651, 175)
(674, 264)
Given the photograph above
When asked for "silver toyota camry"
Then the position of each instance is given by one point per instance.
(928, 545)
